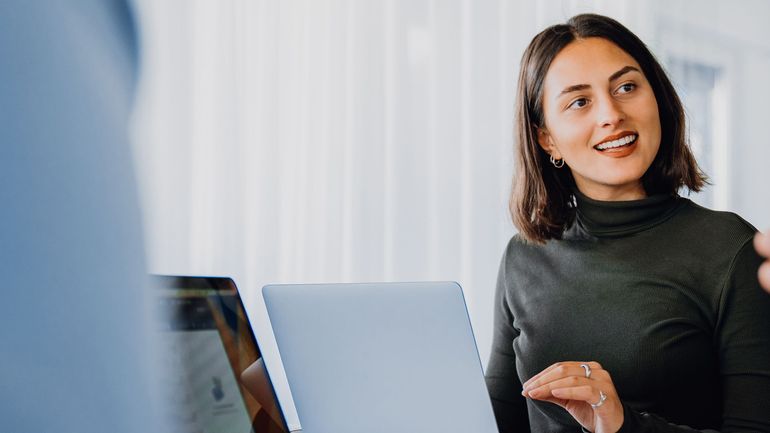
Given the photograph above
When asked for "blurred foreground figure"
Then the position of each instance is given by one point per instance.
(762, 244)
(74, 319)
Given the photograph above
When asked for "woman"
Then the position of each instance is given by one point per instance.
(620, 306)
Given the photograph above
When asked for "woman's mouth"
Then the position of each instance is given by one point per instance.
(618, 144)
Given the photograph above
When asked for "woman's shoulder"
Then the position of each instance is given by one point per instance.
(724, 222)
(519, 243)
(711, 231)
(522, 250)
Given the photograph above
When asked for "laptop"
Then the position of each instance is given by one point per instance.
(380, 357)
(211, 355)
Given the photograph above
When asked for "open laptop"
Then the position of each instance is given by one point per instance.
(209, 345)
(380, 358)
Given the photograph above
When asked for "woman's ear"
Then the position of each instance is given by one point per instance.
(546, 142)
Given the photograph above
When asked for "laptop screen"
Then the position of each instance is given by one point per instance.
(209, 344)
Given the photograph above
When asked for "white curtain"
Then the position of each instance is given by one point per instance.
(346, 140)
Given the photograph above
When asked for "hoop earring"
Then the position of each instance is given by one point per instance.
(558, 163)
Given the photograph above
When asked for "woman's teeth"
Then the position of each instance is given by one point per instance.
(628, 139)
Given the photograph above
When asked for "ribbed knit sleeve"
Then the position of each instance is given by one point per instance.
(742, 342)
(503, 382)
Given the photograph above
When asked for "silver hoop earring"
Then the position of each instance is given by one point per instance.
(558, 163)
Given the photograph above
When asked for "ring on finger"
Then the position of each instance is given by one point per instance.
(587, 369)
(602, 398)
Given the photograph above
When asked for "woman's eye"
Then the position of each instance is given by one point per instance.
(626, 88)
(578, 103)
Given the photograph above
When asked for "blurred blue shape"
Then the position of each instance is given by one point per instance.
(74, 316)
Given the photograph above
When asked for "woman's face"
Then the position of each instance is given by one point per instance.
(601, 117)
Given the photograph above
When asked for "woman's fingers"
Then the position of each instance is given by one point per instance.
(584, 393)
(560, 367)
(592, 401)
(561, 370)
(566, 382)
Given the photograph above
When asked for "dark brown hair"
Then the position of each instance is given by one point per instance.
(542, 202)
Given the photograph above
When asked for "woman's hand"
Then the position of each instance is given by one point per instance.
(584, 389)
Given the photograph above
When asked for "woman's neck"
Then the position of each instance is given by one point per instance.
(629, 192)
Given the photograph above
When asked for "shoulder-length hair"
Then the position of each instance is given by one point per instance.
(542, 203)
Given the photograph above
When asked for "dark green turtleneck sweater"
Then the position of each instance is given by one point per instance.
(660, 291)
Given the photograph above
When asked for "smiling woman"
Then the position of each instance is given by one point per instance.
(607, 128)
(620, 306)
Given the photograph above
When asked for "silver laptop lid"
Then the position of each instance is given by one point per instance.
(382, 357)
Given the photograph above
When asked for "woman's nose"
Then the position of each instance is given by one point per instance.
(609, 113)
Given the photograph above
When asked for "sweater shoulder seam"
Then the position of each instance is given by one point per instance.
(726, 280)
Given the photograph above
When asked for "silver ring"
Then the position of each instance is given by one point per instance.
(602, 397)
(587, 369)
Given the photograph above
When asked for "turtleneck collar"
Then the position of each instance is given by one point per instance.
(621, 218)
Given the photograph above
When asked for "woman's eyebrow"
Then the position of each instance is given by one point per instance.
(622, 71)
(574, 88)
(613, 77)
